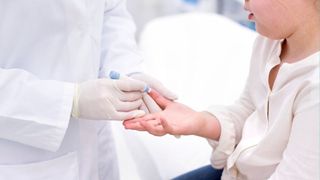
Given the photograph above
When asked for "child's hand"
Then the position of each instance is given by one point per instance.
(175, 119)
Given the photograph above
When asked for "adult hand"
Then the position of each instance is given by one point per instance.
(106, 99)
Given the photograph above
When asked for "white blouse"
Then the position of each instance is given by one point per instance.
(272, 134)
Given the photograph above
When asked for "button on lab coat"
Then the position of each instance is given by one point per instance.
(45, 47)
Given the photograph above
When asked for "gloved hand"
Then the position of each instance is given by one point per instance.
(107, 99)
(149, 105)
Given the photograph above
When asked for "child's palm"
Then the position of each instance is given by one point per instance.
(178, 119)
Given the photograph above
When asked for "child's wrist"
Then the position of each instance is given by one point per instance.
(209, 126)
(201, 123)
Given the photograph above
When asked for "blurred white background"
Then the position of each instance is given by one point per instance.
(201, 50)
(144, 11)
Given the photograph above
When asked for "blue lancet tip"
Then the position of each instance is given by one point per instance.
(114, 75)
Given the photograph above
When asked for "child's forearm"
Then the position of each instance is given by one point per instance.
(209, 126)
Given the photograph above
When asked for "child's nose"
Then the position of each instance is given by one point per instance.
(246, 5)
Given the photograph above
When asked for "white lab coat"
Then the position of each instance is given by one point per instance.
(46, 46)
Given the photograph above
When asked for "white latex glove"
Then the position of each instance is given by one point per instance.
(107, 99)
(149, 105)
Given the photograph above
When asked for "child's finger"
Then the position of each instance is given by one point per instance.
(152, 128)
(159, 99)
(134, 126)
(143, 118)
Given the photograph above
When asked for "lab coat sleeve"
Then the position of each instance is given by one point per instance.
(119, 50)
(34, 112)
(301, 157)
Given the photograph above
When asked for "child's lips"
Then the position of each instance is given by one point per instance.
(250, 16)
